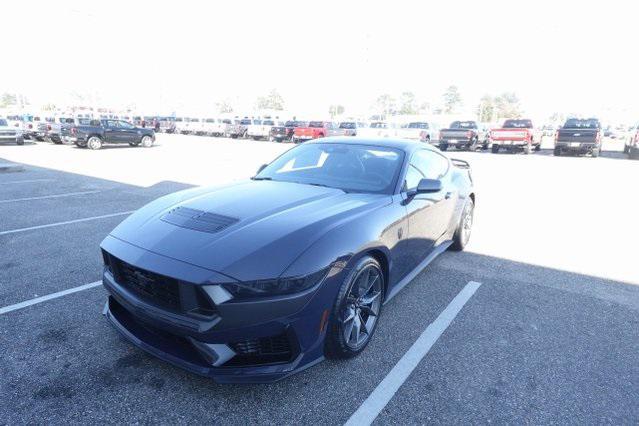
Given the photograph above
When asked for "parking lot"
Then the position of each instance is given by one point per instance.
(550, 336)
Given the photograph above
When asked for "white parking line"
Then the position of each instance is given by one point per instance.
(377, 400)
(25, 181)
(41, 299)
(66, 222)
(68, 194)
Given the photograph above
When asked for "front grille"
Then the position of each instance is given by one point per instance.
(264, 350)
(154, 288)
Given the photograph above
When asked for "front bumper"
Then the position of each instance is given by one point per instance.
(215, 346)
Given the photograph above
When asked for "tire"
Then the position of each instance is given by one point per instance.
(94, 143)
(39, 138)
(19, 141)
(595, 152)
(556, 152)
(633, 153)
(464, 227)
(527, 149)
(443, 147)
(146, 141)
(494, 149)
(538, 147)
(349, 301)
(626, 149)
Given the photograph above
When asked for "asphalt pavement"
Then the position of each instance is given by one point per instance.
(551, 335)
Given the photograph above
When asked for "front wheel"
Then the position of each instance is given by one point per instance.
(147, 141)
(443, 147)
(356, 310)
(556, 152)
(494, 149)
(20, 141)
(465, 226)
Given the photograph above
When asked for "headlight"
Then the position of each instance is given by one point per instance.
(275, 287)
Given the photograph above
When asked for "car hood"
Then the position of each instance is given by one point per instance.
(247, 231)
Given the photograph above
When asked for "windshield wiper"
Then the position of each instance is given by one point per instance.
(261, 178)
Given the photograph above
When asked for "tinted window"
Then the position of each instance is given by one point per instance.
(352, 168)
(418, 125)
(431, 164)
(347, 125)
(125, 125)
(518, 124)
(316, 124)
(268, 123)
(574, 123)
(3, 122)
(463, 125)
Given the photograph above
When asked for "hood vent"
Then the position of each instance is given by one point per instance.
(198, 220)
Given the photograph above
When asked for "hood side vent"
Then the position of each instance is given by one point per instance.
(198, 220)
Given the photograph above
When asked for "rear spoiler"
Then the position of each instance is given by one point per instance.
(460, 163)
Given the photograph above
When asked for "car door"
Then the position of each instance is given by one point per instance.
(112, 132)
(429, 215)
(128, 132)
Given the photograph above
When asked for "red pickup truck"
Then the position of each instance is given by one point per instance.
(314, 130)
(515, 135)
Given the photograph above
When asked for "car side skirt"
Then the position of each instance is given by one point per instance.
(439, 249)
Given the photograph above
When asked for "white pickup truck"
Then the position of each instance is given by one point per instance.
(260, 129)
(213, 126)
(10, 132)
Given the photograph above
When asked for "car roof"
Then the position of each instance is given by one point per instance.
(397, 143)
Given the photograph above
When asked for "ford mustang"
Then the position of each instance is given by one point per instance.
(257, 280)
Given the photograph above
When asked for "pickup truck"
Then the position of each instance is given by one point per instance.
(60, 128)
(261, 131)
(579, 136)
(167, 124)
(10, 133)
(460, 135)
(285, 132)
(315, 130)
(418, 130)
(631, 143)
(99, 132)
(514, 136)
(238, 129)
(351, 128)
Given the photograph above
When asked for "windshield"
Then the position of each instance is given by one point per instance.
(379, 125)
(418, 125)
(347, 125)
(268, 123)
(463, 125)
(245, 122)
(518, 124)
(575, 123)
(352, 168)
(3, 122)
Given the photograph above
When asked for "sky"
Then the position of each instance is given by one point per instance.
(574, 57)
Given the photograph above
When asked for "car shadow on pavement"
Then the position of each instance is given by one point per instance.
(534, 344)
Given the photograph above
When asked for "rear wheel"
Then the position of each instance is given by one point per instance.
(595, 152)
(443, 147)
(94, 142)
(633, 153)
(494, 149)
(20, 141)
(527, 149)
(356, 310)
(464, 228)
(556, 152)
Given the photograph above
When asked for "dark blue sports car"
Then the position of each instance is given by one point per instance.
(257, 280)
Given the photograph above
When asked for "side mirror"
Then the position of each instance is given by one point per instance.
(427, 186)
(262, 167)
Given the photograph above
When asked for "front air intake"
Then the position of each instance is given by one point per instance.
(198, 220)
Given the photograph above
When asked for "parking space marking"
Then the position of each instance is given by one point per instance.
(41, 299)
(26, 181)
(66, 222)
(43, 197)
(384, 392)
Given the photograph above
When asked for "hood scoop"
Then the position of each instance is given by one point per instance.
(198, 220)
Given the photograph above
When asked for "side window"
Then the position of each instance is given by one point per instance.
(125, 125)
(413, 176)
(431, 164)
(112, 123)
